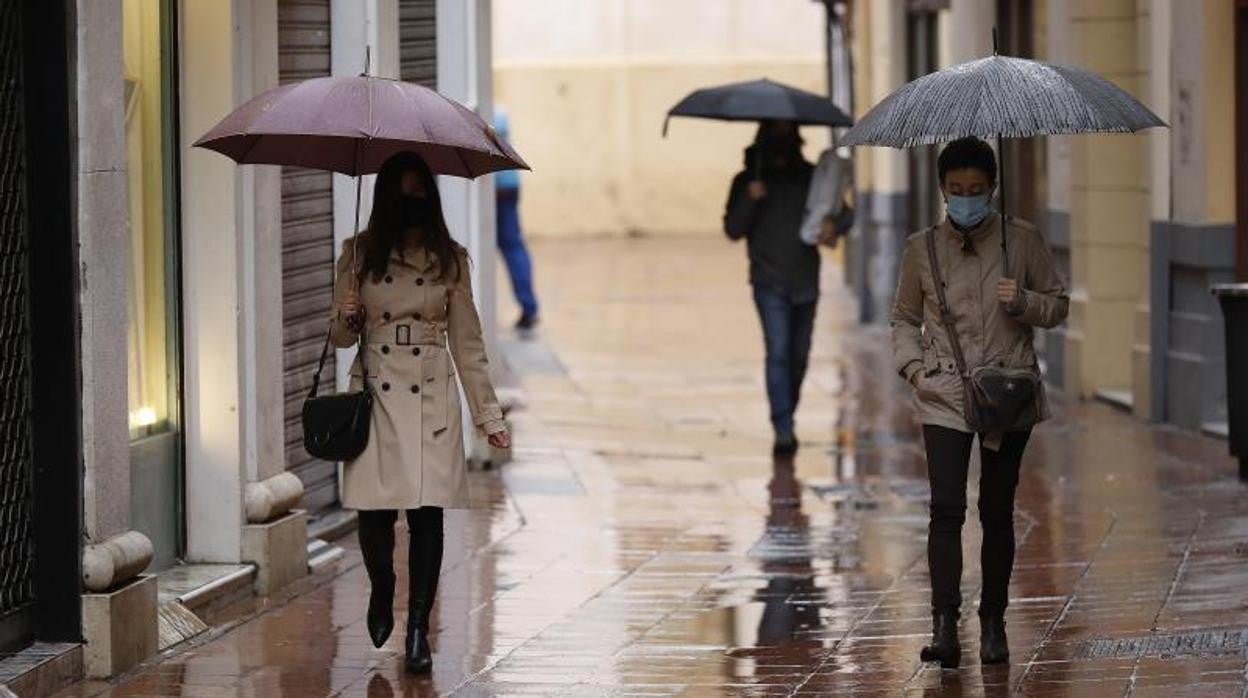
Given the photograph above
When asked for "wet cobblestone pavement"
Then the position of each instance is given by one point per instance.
(645, 543)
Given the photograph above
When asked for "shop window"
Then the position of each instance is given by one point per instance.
(150, 288)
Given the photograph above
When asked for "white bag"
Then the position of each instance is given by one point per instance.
(827, 193)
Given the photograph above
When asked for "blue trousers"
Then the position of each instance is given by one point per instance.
(787, 329)
(511, 244)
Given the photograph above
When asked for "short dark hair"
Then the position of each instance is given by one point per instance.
(968, 153)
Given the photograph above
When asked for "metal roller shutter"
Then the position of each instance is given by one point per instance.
(307, 251)
(418, 48)
(17, 548)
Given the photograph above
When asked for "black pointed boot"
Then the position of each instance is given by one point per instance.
(376, 531)
(424, 565)
(944, 648)
(994, 646)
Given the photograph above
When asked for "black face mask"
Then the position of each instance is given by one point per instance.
(416, 210)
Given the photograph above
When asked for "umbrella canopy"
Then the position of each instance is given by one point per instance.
(1000, 97)
(353, 124)
(760, 100)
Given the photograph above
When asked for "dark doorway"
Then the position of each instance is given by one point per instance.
(40, 436)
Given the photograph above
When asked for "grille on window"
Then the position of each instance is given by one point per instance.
(16, 467)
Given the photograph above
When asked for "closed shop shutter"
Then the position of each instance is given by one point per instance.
(418, 47)
(307, 251)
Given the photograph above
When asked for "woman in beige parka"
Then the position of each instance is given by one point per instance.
(405, 284)
(994, 319)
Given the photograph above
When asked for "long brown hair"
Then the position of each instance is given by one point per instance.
(386, 224)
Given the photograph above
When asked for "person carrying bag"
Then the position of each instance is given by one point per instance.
(963, 338)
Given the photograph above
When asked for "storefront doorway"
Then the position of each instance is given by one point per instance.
(40, 403)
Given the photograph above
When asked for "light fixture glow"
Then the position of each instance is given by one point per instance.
(143, 417)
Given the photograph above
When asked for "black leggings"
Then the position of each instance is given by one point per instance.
(948, 459)
(424, 555)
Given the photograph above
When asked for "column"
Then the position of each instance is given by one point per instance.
(231, 282)
(464, 74)
(1109, 203)
(888, 225)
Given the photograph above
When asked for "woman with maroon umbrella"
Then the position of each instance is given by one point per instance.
(402, 292)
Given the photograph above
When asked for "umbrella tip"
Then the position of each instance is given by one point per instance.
(994, 40)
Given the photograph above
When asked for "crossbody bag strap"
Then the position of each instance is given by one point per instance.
(946, 317)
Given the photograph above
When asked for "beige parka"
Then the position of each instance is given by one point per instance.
(419, 330)
(990, 333)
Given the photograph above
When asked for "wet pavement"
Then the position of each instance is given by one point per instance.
(644, 542)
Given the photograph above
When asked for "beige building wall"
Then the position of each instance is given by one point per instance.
(1109, 210)
(587, 84)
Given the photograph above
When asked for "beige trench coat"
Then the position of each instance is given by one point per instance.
(419, 331)
(990, 333)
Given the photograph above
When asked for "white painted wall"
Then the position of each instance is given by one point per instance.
(231, 275)
(464, 67)
(357, 26)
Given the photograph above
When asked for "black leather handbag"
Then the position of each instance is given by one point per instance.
(336, 427)
(994, 399)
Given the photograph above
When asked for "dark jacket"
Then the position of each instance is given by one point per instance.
(771, 226)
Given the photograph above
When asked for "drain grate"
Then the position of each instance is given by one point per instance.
(1201, 643)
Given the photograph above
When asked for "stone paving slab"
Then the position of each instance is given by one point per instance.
(644, 542)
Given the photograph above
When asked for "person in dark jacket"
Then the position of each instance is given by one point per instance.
(765, 207)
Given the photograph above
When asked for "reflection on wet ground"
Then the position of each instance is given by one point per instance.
(645, 543)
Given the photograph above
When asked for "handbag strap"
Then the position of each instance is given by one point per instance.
(355, 275)
(946, 317)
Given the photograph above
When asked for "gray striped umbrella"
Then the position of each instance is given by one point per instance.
(1000, 97)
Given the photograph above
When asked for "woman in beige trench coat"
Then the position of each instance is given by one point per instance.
(994, 320)
(404, 283)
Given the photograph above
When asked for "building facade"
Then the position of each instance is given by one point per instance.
(182, 298)
(1141, 225)
(587, 85)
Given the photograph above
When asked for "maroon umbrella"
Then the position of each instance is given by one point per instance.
(353, 124)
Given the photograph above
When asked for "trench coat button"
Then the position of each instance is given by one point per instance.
(385, 386)
(385, 316)
(389, 279)
(415, 388)
(415, 351)
(385, 348)
(420, 281)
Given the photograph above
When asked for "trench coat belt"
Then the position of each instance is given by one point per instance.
(406, 334)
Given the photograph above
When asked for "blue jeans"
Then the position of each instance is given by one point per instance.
(787, 329)
(511, 244)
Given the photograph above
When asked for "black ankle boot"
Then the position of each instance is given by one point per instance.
(417, 655)
(994, 647)
(944, 648)
(381, 611)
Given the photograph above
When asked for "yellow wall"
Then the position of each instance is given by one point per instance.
(1220, 110)
(593, 136)
(1109, 212)
(587, 84)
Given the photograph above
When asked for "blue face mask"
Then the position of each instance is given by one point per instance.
(968, 211)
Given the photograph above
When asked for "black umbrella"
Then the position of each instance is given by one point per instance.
(759, 100)
(1000, 97)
